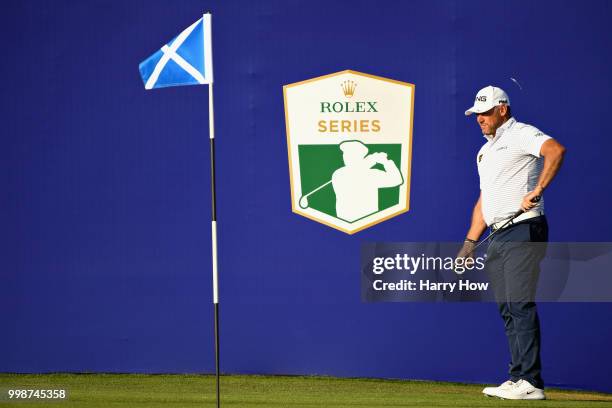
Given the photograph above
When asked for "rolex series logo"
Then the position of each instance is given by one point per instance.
(348, 87)
(349, 153)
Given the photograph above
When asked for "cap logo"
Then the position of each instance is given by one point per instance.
(481, 98)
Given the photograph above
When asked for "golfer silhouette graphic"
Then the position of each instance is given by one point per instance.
(356, 184)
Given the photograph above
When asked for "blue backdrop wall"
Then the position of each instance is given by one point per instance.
(104, 212)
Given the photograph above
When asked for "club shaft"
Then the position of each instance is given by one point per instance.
(516, 214)
(317, 189)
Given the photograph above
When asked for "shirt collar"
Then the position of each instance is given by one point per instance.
(500, 130)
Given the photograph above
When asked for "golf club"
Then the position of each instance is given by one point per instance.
(491, 235)
(304, 199)
(516, 214)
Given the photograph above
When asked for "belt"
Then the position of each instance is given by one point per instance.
(524, 216)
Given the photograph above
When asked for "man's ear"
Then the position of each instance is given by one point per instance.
(503, 109)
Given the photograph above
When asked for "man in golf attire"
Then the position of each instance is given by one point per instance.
(515, 165)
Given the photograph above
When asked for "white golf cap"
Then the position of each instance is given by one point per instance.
(487, 98)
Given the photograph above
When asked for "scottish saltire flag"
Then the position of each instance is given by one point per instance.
(186, 60)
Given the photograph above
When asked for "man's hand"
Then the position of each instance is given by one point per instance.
(466, 252)
(529, 201)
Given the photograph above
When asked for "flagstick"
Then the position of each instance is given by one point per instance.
(207, 21)
(211, 121)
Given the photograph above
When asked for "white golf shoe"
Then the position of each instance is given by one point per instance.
(522, 390)
(494, 391)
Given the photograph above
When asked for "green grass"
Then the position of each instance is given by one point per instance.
(135, 390)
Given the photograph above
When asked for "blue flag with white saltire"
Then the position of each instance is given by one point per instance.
(186, 60)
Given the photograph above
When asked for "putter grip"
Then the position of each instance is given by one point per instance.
(533, 200)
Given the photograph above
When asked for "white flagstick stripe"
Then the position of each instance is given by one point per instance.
(208, 65)
(166, 57)
(209, 72)
(214, 263)
(183, 64)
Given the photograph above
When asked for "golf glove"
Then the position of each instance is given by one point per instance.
(466, 251)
